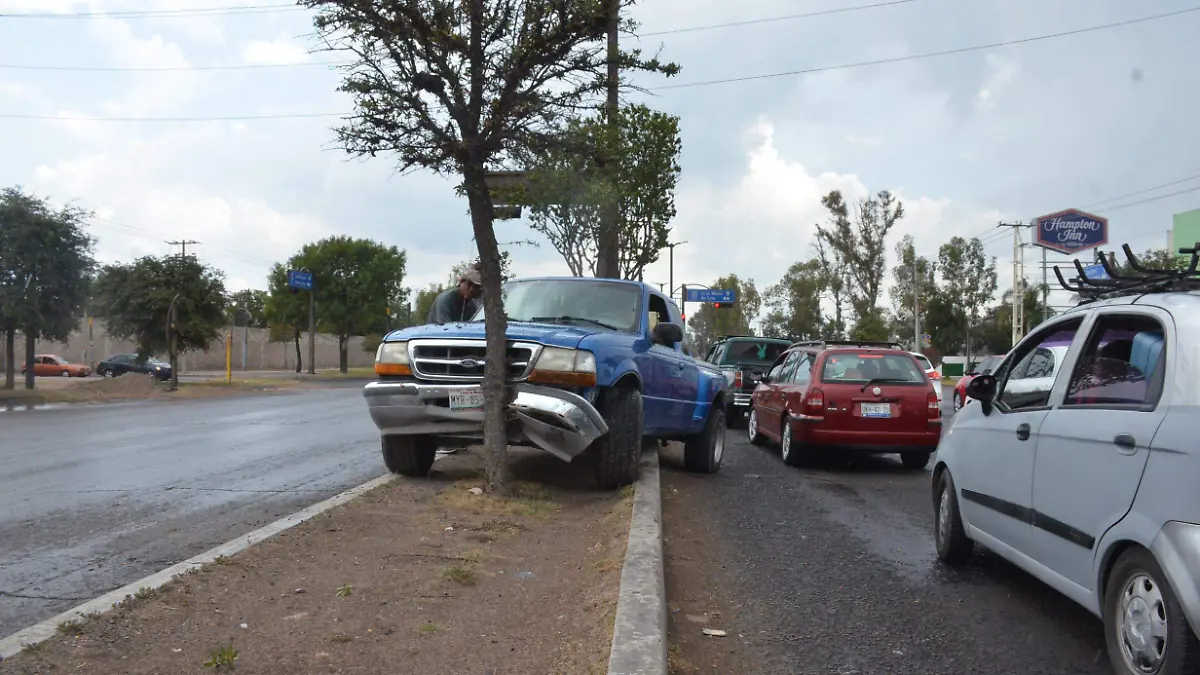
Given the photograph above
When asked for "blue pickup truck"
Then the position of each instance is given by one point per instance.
(597, 368)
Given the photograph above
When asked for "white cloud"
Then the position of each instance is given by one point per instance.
(274, 52)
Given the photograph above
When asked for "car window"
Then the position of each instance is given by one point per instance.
(776, 369)
(803, 372)
(751, 352)
(858, 368)
(789, 366)
(1028, 382)
(1122, 363)
(921, 359)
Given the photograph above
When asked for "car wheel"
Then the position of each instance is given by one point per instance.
(788, 451)
(703, 452)
(618, 452)
(409, 455)
(953, 544)
(1144, 626)
(915, 460)
(107, 374)
(752, 432)
(65, 373)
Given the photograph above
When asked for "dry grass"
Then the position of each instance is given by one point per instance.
(134, 388)
(530, 500)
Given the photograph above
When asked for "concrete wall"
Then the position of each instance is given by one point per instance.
(261, 354)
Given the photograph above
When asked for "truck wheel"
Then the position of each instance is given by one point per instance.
(1144, 626)
(618, 452)
(703, 452)
(409, 455)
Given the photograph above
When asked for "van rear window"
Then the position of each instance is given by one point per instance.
(851, 368)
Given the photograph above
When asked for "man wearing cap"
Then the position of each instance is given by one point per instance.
(459, 303)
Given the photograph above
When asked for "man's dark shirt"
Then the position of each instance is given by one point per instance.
(450, 306)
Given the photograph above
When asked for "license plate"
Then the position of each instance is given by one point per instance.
(876, 410)
(466, 399)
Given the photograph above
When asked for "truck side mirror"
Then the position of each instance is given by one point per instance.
(669, 334)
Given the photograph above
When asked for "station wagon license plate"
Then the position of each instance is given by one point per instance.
(876, 410)
(464, 400)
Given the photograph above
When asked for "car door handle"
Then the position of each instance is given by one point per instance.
(1023, 432)
(1125, 441)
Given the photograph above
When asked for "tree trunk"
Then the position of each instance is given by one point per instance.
(495, 390)
(299, 359)
(10, 357)
(30, 348)
(343, 357)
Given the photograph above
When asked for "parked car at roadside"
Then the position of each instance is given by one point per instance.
(120, 364)
(744, 360)
(846, 397)
(1086, 477)
(597, 367)
(50, 365)
(935, 377)
(984, 367)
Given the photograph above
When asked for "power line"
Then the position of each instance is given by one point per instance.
(258, 66)
(928, 55)
(155, 13)
(787, 17)
(229, 118)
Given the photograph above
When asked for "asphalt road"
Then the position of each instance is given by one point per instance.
(95, 497)
(831, 569)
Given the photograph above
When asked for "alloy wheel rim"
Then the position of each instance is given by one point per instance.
(786, 444)
(944, 515)
(1142, 627)
(752, 425)
(719, 447)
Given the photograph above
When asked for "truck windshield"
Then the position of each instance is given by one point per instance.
(752, 353)
(859, 368)
(576, 302)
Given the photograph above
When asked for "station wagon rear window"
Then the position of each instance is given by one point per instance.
(852, 368)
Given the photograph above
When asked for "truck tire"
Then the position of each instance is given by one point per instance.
(703, 452)
(618, 452)
(409, 455)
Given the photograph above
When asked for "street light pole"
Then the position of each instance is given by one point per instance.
(671, 272)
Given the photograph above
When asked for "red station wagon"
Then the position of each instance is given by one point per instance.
(869, 397)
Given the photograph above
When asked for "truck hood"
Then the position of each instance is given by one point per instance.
(548, 334)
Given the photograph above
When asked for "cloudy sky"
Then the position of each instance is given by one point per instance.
(966, 139)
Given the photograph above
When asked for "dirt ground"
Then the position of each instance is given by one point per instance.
(415, 577)
(130, 388)
(694, 602)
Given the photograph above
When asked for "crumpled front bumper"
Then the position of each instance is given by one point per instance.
(557, 421)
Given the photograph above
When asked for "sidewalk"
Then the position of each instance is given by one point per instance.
(414, 577)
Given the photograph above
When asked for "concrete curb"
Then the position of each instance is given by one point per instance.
(639, 645)
(47, 629)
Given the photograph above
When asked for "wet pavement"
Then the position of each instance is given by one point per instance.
(831, 569)
(95, 497)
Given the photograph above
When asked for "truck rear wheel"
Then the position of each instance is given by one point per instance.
(618, 452)
(409, 455)
(703, 452)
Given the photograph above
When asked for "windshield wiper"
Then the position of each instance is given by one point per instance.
(880, 380)
(569, 319)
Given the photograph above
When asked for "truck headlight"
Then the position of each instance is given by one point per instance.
(392, 359)
(571, 367)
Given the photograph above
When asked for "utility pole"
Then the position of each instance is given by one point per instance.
(671, 271)
(608, 262)
(916, 306)
(1018, 292)
(182, 246)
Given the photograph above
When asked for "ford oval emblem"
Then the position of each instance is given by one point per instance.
(471, 363)
(877, 391)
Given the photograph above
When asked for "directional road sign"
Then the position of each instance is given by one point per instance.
(711, 295)
(301, 281)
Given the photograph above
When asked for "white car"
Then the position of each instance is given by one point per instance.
(934, 376)
(1080, 465)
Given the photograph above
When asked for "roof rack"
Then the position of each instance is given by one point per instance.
(1141, 281)
(848, 343)
(750, 337)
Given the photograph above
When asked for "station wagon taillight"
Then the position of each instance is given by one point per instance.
(935, 408)
(815, 401)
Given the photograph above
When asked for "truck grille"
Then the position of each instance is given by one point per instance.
(464, 359)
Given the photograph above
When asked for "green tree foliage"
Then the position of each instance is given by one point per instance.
(45, 266)
(356, 281)
(458, 88)
(134, 300)
(708, 324)
(286, 311)
(637, 165)
(995, 329)
(910, 266)
(794, 304)
(254, 302)
(858, 242)
(968, 282)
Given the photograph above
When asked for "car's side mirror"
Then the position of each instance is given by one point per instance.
(983, 389)
(669, 334)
